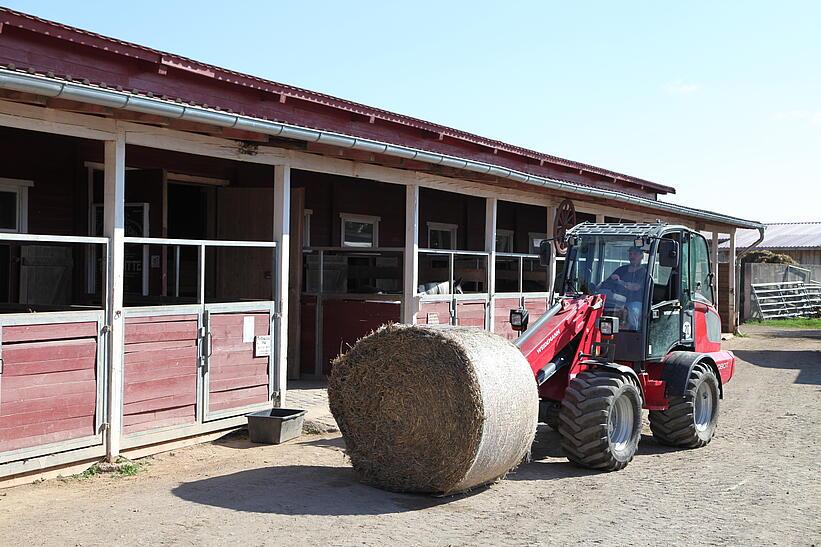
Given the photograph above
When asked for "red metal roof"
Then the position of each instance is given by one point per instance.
(165, 60)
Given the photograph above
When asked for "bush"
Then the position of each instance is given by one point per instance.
(767, 257)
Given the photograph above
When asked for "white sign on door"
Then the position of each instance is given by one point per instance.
(247, 329)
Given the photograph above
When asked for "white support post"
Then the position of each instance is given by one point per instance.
(410, 302)
(490, 247)
(114, 230)
(551, 271)
(731, 276)
(599, 219)
(282, 229)
(714, 262)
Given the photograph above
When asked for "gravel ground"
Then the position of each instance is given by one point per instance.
(756, 483)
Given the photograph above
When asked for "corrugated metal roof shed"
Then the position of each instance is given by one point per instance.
(781, 235)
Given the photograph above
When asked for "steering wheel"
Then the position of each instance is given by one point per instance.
(608, 284)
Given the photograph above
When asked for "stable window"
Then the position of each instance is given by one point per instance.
(441, 235)
(504, 241)
(14, 205)
(360, 230)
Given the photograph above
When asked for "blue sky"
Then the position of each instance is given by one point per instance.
(721, 100)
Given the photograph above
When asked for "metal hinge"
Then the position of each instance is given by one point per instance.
(201, 332)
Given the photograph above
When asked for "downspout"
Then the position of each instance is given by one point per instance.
(755, 244)
(50, 87)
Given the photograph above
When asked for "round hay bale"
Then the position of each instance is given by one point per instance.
(434, 409)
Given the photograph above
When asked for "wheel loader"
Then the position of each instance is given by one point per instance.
(634, 327)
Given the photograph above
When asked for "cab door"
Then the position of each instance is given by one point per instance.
(705, 329)
(666, 309)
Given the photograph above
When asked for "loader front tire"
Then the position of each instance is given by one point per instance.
(690, 421)
(600, 420)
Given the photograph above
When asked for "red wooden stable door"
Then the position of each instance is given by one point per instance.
(161, 364)
(50, 384)
(471, 313)
(238, 359)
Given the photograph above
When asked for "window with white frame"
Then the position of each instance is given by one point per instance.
(359, 230)
(442, 235)
(504, 241)
(14, 205)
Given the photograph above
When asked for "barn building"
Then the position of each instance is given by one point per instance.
(180, 240)
(799, 240)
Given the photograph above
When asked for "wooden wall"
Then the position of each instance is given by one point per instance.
(48, 389)
(523, 220)
(467, 212)
(724, 295)
(329, 195)
(161, 366)
(346, 321)
(237, 378)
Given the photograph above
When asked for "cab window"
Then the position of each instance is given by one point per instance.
(665, 278)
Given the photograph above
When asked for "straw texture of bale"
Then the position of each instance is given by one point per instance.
(434, 409)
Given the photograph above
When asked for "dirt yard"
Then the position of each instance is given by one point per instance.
(757, 483)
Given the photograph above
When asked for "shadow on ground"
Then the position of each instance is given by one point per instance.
(548, 461)
(303, 490)
(805, 334)
(806, 362)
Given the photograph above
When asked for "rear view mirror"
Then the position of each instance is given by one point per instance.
(545, 252)
(668, 253)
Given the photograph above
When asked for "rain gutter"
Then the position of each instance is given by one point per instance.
(110, 98)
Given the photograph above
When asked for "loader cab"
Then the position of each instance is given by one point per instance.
(655, 279)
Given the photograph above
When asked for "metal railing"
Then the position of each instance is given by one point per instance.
(787, 299)
(525, 264)
(467, 267)
(353, 271)
(56, 291)
(201, 247)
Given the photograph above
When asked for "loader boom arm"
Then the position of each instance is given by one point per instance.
(568, 321)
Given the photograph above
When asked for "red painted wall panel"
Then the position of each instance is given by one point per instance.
(161, 368)
(470, 314)
(433, 313)
(536, 307)
(236, 377)
(346, 321)
(501, 317)
(48, 389)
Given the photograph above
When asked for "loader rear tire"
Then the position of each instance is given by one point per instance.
(600, 420)
(690, 421)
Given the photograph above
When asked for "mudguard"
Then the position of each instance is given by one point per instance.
(627, 371)
(677, 368)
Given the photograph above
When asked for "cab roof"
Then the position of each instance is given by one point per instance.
(637, 230)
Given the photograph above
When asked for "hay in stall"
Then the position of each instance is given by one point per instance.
(434, 409)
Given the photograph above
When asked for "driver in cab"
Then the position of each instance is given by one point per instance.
(628, 281)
